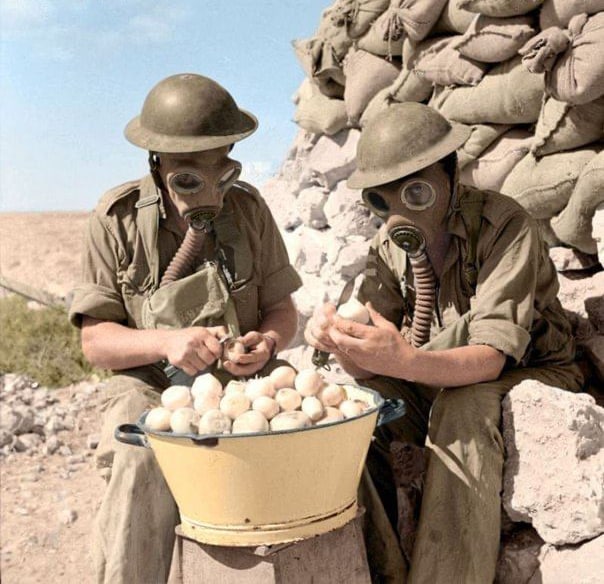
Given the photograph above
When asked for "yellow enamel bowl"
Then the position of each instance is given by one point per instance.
(266, 488)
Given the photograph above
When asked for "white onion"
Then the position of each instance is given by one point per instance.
(267, 406)
(206, 384)
(290, 421)
(177, 396)
(308, 382)
(331, 415)
(259, 386)
(214, 422)
(283, 376)
(332, 395)
(184, 420)
(234, 404)
(288, 399)
(250, 421)
(312, 407)
(351, 408)
(158, 419)
(205, 402)
(354, 310)
(234, 386)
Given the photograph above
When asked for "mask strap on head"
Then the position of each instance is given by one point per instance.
(154, 169)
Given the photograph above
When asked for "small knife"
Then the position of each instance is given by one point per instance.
(320, 358)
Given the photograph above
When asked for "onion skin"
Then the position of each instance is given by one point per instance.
(308, 382)
(288, 399)
(354, 310)
(177, 396)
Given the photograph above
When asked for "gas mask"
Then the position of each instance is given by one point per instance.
(196, 184)
(415, 209)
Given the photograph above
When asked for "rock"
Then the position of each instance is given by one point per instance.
(12, 383)
(573, 294)
(27, 442)
(51, 445)
(92, 441)
(582, 564)
(16, 420)
(597, 231)
(567, 259)
(345, 215)
(594, 306)
(333, 157)
(68, 516)
(555, 462)
(309, 206)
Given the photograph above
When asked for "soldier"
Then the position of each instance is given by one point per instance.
(462, 297)
(174, 262)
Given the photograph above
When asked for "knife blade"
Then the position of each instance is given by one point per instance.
(320, 358)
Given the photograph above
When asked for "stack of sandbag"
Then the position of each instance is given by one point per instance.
(526, 75)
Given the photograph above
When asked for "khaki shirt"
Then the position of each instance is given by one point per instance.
(116, 275)
(514, 307)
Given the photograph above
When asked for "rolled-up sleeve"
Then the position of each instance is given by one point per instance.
(98, 295)
(502, 311)
(279, 277)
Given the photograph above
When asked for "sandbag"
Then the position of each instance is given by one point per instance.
(438, 61)
(562, 126)
(572, 59)
(415, 17)
(500, 8)
(366, 74)
(357, 15)
(573, 225)
(481, 137)
(494, 40)
(381, 39)
(453, 19)
(318, 113)
(319, 62)
(493, 166)
(543, 186)
(509, 94)
(559, 12)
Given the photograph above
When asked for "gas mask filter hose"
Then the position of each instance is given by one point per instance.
(412, 241)
(184, 261)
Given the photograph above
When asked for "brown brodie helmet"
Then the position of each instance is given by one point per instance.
(402, 140)
(189, 113)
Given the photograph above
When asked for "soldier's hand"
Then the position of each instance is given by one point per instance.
(318, 329)
(380, 348)
(195, 348)
(258, 352)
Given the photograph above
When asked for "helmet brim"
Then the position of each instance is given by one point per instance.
(155, 142)
(362, 179)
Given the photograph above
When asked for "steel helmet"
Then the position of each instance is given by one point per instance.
(189, 113)
(401, 140)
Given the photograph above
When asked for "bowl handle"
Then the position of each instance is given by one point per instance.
(131, 434)
(390, 410)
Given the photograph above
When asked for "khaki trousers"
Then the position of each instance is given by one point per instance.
(457, 540)
(133, 532)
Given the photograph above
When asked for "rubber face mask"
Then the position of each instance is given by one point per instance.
(199, 181)
(414, 208)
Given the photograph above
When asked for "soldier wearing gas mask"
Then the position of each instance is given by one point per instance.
(462, 297)
(174, 263)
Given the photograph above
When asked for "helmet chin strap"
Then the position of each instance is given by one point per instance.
(154, 169)
(412, 241)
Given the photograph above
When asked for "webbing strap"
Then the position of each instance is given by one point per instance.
(147, 222)
(471, 206)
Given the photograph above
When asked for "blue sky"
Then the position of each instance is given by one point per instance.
(73, 73)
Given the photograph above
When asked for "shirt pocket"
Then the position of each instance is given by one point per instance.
(245, 297)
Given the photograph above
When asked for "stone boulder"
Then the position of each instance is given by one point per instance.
(554, 471)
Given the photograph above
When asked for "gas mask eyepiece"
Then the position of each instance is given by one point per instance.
(416, 195)
(186, 182)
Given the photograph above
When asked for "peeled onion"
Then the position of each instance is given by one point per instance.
(234, 404)
(259, 386)
(332, 395)
(290, 421)
(330, 415)
(312, 407)
(233, 349)
(250, 421)
(158, 419)
(176, 396)
(214, 422)
(288, 399)
(206, 401)
(267, 406)
(283, 376)
(184, 420)
(206, 384)
(234, 386)
(351, 408)
(308, 382)
(354, 310)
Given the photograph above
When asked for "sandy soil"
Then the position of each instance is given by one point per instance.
(47, 502)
